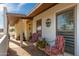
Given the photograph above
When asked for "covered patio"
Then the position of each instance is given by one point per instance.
(24, 26)
(48, 29)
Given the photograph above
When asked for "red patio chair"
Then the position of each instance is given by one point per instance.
(58, 48)
(33, 39)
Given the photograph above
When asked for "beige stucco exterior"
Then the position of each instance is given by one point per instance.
(17, 28)
(22, 26)
(50, 32)
(47, 32)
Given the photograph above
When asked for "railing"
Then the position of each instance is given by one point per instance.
(4, 43)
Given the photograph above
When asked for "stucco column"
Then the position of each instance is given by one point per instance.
(5, 22)
(21, 33)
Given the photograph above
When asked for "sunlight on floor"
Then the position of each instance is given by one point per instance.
(25, 50)
(16, 50)
(16, 47)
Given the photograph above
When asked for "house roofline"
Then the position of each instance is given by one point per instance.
(37, 6)
(40, 8)
(16, 15)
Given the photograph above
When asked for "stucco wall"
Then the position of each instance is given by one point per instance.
(21, 26)
(17, 28)
(50, 32)
(25, 27)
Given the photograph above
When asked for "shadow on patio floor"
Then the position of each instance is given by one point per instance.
(16, 50)
(11, 52)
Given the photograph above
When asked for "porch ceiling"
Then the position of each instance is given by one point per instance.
(40, 8)
(14, 18)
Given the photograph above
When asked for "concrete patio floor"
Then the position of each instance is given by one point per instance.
(16, 50)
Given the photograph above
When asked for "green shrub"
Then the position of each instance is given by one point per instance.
(41, 43)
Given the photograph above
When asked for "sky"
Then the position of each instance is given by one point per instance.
(1, 17)
(18, 8)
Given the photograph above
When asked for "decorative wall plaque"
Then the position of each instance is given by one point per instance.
(48, 22)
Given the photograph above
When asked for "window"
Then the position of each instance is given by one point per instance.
(66, 27)
(65, 21)
(39, 27)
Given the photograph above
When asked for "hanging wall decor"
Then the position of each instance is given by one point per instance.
(48, 22)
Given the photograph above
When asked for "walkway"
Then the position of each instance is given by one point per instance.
(16, 50)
